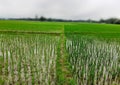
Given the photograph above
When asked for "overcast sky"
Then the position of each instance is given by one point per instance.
(66, 9)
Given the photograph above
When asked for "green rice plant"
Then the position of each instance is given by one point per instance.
(93, 61)
(28, 59)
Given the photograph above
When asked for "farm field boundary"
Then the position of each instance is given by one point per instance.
(29, 32)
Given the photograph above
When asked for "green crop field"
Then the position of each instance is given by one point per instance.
(28, 26)
(92, 28)
(59, 53)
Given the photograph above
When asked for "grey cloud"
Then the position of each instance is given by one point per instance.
(67, 9)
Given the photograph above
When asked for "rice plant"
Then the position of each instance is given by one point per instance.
(94, 61)
(28, 59)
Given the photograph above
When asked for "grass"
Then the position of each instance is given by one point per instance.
(64, 76)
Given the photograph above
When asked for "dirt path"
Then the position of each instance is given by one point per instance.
(64, 74)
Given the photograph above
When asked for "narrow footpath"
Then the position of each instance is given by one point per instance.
(64, 75)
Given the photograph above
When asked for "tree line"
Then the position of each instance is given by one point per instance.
(110, 21)
(42, 18)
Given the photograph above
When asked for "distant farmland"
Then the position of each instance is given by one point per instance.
(59, 53)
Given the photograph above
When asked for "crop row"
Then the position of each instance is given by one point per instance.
(28, 59)
(94, 62)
